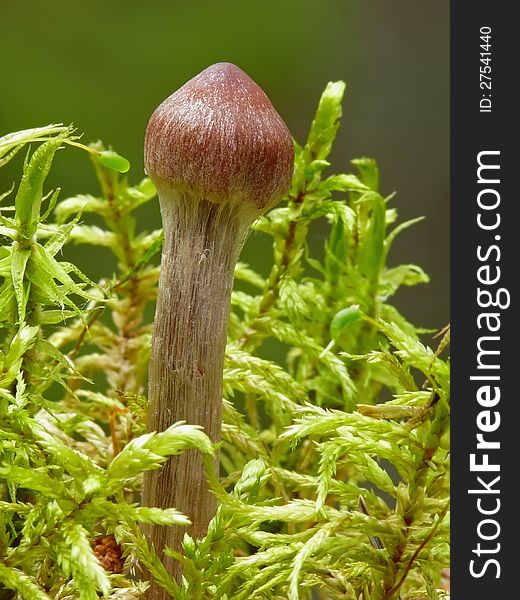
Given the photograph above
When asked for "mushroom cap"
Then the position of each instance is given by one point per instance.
(220, 138)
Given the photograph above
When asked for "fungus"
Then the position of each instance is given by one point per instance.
(220, 156)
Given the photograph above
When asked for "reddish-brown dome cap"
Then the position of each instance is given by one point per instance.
(219, 136)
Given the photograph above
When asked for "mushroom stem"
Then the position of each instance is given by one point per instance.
(202, 241)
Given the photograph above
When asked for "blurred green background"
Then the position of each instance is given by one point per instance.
(106, 65)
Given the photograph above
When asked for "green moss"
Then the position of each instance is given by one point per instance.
(334, 482)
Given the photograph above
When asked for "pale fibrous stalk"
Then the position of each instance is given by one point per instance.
(220, 156)
(200, 251)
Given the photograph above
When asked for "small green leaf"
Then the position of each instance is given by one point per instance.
(159, 516)
(12, 143)
(5, 195)
(292, 301)
(326, 122)
(368, 172)
(29, 197)
(56, 270)
(83, 203)
(52, 317)
(371, 228)
(245, 273)
(52, 203)
(35, 479)
(58, 240)
(151, 450)
(397, 230)
(19, 258)
(22, 341)
(344, 183)
(47, 289)
(392, 279)
(7, 304)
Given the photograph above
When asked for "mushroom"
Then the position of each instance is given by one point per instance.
(220, 156)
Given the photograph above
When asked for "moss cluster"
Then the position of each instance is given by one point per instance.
(334, 479)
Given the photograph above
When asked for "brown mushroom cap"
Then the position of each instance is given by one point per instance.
(220, 138)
